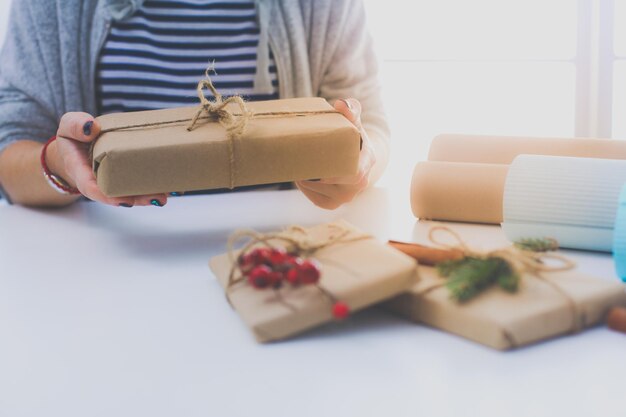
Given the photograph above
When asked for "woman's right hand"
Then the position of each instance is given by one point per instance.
(69, 159)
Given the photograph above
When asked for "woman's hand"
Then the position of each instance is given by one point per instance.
(330, 193)
(69, 159)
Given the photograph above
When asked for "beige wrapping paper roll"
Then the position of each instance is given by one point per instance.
(464, 177)
(503, 149)
(464, 192)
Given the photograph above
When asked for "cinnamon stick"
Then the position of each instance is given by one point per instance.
(426, 255)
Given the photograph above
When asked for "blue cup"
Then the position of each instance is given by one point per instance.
(619, 237)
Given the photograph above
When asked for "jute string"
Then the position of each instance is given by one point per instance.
(297, 238)
(523, 262)
(216, 110)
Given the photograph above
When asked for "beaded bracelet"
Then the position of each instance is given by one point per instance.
(56, 182)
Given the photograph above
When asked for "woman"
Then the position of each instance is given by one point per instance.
(67, 60)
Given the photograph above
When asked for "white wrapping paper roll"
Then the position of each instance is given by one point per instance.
(573, 200)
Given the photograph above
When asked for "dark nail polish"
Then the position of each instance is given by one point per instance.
(87, 128)
(316, 180)
(176, 194)
(156, 203)
(125, 205)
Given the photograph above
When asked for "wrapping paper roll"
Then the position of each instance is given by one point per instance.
(573, 200)
(458, 191)
(503, 149)
(619, 237)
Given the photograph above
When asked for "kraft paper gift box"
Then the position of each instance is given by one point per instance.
(556, 304)
(360, 273)
(287, 140)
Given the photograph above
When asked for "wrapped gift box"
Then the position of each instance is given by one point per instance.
(555, 304)
(289, 140)
(359, 273)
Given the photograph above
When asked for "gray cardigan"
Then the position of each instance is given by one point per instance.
(48, 61)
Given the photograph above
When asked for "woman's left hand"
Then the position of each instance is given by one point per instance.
(330, 193)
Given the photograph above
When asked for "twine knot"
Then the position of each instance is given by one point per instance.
(521, 260)
(297, 239)
(235, 125)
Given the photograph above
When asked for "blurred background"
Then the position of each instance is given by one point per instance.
(4, 17)
(506, 67)
(509, 67)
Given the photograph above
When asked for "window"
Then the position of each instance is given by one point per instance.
(619, 72)
(509, 67)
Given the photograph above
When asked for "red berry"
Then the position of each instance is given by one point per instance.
(277, 257)
(292, 275)
(260, 277)
(309, 272)
(340, 310)
(245, 263)
(259, 256)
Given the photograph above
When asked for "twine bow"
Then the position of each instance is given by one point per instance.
(521, 260)
(235, 125)
(296, 238)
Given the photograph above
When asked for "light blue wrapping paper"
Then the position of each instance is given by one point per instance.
(573, 200)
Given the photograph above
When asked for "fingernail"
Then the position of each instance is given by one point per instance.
(347, 104)
(87, 128)
(316, 180)
(125, 205)
(176, 194)
(156, 203)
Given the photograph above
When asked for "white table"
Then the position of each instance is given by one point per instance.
(114, 312)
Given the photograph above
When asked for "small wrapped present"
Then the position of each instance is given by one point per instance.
(516, 306)
(223, 144)
(285, 283)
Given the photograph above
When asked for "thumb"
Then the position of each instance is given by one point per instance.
(351, 109)
(78, 126)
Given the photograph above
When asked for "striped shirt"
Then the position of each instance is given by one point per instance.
(155, 59)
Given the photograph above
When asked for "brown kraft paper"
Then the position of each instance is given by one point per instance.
(359, 273)
(277, 148)
(503, 149)
(560, 303)
(464, 192)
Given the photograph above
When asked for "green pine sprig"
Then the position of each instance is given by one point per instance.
(537, 245)
(469, 276)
